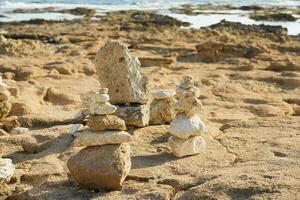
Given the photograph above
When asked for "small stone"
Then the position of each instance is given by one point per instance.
(30, 145)
(103, 91)
(119, 71)
(4, 95)
(162, 111)
(134, 115)
(186, 147)
(18, 131)
(186, 85)
(188, 78)
(105, 122)
(102, 108)
(2, 84)
(163, 94)
(5, 108)
(89, 138)
(184, 127)
(101, 98)
(188, 105)
(101, 167)
(193, 91)
(7, 170)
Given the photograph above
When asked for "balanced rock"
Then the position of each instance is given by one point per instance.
(89, 138)
(5, 108)
(7, 170)
(162, 111)
(163, 94)
(193, 91)
(189, 105)
(105, 122)
(184, 127)
(186, 147)
(119, 71)
(102, 108)
(101, 167)
(134, 115)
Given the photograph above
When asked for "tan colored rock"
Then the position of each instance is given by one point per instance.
(162, 111)
(101, 167)
(30, 145)
(89, 138)
(119, 71)
(102, 108)
(5, 108)
(134, 115)
(189, 105)
(186, 147)
(105, 122)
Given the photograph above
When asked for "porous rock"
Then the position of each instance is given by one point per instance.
(7, 170)
(101, 167)
(162, 111)
(105, 122)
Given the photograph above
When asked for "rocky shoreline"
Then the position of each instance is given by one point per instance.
(248, 75)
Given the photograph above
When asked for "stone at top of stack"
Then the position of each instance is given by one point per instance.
(119, 71)
(162, 107)
(187, 127)
(105, 162)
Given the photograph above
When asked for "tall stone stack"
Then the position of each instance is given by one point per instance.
(7, 168)
(119, 71)
(105, 161)
(187, 127)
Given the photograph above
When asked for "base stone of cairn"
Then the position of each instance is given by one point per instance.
(105, 162)
(187, 127)
(119, 71)
(101, 166)
(162, 107)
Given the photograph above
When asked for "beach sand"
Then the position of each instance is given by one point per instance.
(249, 77)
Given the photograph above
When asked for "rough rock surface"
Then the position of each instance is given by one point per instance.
(162, 111)
(101, 166)
(185, 127)
(163, 94)
(102, 108)
(119, 71)
(105, 122)
(7, 170)
(186, 147)
(89, 138)
(135, 114)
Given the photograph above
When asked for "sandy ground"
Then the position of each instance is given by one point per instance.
(249, 78)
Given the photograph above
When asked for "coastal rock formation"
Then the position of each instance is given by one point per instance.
(187, 127)
(162, 107)
(105, 162)
(119, 71)
(101, 166)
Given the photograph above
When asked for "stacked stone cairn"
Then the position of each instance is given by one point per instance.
(7, 168)
(187, 127)
(162, 107)
(119, 71)
(105, 161)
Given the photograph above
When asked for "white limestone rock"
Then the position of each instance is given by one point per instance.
(119, 71)
(89, 138)
(186, 147)
(185, 127)
(7, 170)
(101, 98)
(102, 108)
(163, 94)
(19, 131)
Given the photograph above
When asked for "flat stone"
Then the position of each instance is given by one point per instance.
(186, 147)
(193, 91)
(186, 85)
(19, 131)
(163, 94)
(102, 108)
(89, 138)
(105, 122)
(162, 111)
(185, 127)
(101, 167)
(7, 170)
(134, 115)
(119, 71)
(101, 98)
(188, 105)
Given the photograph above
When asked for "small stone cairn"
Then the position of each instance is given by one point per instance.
(162, 107)
(187, 127)
(105, 161)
